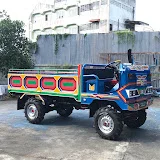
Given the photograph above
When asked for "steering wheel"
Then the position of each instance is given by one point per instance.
(114, 65)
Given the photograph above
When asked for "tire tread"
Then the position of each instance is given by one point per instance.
(118, 122)
(41, 111)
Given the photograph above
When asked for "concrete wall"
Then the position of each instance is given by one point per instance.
(94, 48)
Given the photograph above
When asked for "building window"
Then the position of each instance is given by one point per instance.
(91, 6)
(94, 5)
(46, 17)
(85, 8)
(78, 10)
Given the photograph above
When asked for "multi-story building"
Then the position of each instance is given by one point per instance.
(80, 16)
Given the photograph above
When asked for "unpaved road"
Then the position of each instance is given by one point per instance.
(74, 138)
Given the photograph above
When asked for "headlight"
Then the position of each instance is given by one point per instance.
(132, 93)
(149, 90)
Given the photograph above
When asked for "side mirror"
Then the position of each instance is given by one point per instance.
(130, 57)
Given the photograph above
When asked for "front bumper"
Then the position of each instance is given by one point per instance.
(140, 105)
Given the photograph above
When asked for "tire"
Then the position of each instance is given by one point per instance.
(34, 111)
(65, 112)
(136, 123)
(107, 116)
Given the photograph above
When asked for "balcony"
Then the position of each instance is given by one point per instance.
(36, 26)
(71, 20)
(47, 8)
(36, 11)
(47, 24)
(58, 23)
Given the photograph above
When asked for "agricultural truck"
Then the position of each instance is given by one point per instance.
(115, 94)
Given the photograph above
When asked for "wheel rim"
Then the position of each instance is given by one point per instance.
(106, 124)
(32, 111)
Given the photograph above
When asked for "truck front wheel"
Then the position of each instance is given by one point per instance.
(34, 111)
(138, 121)
(108, 123)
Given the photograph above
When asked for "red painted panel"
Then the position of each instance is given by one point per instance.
(31, 82)
(15, 78)
(64, 81)
(79, 73)
(51, 83)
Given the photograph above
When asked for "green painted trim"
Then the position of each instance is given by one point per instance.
(68, 84)
(45, 93)
(48, 83)
(31, 82)
(16, 81)
(80, 86)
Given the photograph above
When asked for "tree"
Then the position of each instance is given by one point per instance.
(14, 46)
(3, 14)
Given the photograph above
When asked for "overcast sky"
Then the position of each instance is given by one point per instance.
(147, 10)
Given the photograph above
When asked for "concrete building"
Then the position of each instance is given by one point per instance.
(80, 16)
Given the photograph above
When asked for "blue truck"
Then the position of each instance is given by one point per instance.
(116, 94)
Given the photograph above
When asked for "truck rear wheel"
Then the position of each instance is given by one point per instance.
(108, 123)
(65, 112)
(34, 111)
(138, 121)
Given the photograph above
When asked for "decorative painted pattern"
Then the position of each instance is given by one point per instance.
(48, 83)
(15, 81)
(139, 67)
(64, 85)
(31, 82)
(101, 96)
(125, 86)
(67, 84)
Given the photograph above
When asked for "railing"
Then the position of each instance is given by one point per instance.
(43, 71)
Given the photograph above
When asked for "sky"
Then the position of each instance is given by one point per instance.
(146, 10)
